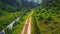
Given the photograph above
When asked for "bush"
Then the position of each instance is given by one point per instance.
(49, 18)
(46, 22)
(40, 17)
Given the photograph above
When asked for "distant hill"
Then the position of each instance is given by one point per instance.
(16, 5)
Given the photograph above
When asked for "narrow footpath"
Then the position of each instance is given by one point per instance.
(27, 26)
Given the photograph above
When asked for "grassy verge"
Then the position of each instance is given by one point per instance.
(18, 28)
(7, 19)
(35, 28)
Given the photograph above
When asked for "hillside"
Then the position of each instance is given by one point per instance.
(16, 5)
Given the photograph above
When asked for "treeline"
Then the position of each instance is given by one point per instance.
(16, 5)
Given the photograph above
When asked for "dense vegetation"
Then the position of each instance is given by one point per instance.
(17, 29)
(46, 20)
(6, 18)
(16, 5)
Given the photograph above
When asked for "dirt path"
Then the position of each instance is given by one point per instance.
(27, 26)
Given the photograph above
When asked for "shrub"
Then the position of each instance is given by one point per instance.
(40, 17)
(49, 18)
(46, 22)
(52, 27)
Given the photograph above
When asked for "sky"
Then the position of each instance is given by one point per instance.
(36, 1)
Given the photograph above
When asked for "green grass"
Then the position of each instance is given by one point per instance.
(18, 28)
(7, 18)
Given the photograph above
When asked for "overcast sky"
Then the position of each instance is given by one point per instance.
(36, 1)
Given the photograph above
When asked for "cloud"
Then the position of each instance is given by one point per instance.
(36, 1)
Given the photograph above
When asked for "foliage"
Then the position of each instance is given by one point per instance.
(7, 19)
(47, 19)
